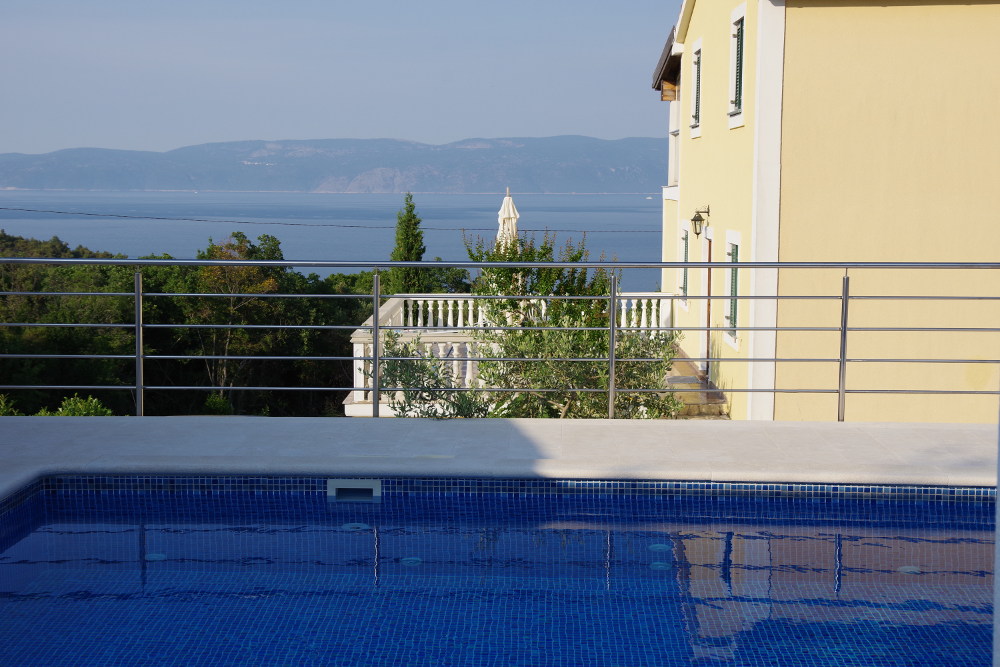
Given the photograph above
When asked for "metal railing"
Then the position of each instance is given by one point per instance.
(988, 291)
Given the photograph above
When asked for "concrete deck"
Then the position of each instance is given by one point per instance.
(730, 451)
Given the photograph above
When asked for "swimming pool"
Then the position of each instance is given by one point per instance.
(263, 571)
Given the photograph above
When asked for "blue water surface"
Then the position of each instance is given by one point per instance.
(273, 579)
(331, 227)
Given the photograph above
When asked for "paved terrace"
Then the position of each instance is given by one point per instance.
(725, 451)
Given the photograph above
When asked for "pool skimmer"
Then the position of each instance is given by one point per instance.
(354, 490)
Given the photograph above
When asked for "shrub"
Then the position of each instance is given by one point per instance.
(7, 407)
(74, 406)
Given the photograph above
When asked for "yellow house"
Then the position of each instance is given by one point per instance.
(836, 131)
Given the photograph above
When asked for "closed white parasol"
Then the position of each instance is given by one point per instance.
(507, 217)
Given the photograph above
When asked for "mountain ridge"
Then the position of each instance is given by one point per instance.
(564, 164)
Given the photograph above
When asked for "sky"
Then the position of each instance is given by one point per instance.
(158, 74)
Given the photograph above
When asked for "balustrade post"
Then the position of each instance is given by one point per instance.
(456, 365)
(842, 376)
(612, 327)
(140, 381)
(469, 364)
(376, 384)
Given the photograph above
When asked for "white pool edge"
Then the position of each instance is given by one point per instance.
(721, 451)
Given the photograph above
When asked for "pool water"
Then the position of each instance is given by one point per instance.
(420, 579)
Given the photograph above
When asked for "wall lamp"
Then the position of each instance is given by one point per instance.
(698, 220)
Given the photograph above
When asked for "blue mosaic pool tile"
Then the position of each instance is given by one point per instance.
(447, 486)
(15, 499)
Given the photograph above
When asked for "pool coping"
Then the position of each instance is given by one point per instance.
(910, 454)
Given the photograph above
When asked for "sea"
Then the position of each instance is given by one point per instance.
(333, 227)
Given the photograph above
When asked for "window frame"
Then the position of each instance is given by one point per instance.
(732, 309)
(697, 68)
(674, 141)
(737, 66)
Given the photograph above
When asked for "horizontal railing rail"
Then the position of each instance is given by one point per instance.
(461, 317)
(588, 264)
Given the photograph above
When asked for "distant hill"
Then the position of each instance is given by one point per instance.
(549, 164)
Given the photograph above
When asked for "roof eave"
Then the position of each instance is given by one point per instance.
(668, 68)
(668, 65)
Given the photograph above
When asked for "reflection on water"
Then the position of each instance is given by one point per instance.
(510, 581)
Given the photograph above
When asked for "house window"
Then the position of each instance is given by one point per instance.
(736, 103)
(734, 256)
(673, 143)
(696, 95)
(685, 247)
(737, 66)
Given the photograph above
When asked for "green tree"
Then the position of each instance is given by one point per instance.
(449, 280)
(161, 308)
(239, 306)
(537, 336)
(409, 248)
(57, 310)
(550, 331)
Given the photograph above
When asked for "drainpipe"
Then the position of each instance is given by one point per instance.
(708, 308)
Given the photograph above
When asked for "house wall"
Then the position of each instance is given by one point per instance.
(715, 169)
(889, 153)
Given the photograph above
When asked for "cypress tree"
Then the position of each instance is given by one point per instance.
(409, 248)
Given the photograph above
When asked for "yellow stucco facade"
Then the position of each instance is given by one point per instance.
(712, 143)
(867, 134)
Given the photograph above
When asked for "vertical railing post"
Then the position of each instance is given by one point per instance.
(140, 391)
(845, 295)
(612, 330)
(376, 380)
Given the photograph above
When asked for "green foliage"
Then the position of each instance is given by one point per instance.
(238, 281)
(180, 341)
(448, 280)
(57, 310)
(541, 281)
(7, 408)
(424, 381)
(216, 404)
(74, 406)
(18, 246)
